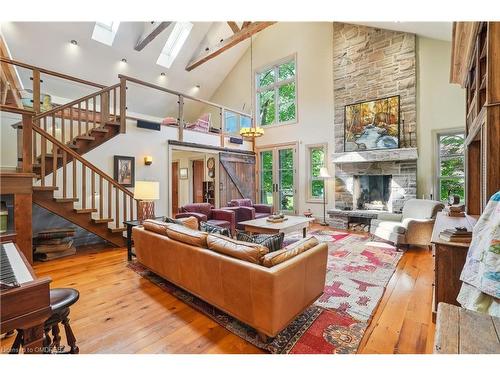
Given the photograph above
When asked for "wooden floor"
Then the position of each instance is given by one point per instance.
(120, 312)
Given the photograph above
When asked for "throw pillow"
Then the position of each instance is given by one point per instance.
(190, 221)
(209, 228)
(273, 242)
(249, 252)
(289, 252)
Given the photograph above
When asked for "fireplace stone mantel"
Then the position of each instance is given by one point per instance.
(400, 154)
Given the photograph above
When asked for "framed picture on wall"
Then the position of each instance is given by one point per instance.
(372, 125)
(183, 173)
(124, 170)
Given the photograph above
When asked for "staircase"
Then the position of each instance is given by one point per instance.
(66, 183)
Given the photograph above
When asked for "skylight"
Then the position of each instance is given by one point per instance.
(174, 43)
(105, 31)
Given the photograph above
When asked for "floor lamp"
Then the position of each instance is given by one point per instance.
(325, 175)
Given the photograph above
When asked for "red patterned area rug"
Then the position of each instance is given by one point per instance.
(358, 271)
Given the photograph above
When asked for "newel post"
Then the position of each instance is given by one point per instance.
(123, 104)
(27, 166)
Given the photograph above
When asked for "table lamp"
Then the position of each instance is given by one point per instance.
(325, 175)
(146, 192)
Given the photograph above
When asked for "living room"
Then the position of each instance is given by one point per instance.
(327, 186)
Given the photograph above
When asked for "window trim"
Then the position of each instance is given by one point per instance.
(437, 161)
(309, 148)
(238, 122)
(276, 85)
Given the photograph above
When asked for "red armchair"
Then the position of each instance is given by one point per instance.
(205, 212)
(244, 210)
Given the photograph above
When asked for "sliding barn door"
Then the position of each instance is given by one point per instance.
(236, 177)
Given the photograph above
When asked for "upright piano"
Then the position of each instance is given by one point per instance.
(24, 298)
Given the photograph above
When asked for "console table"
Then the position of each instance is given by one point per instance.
(449, 259)
(130, 224)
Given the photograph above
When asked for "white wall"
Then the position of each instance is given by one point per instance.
(440, 106)
(8, 138)
(312, 42)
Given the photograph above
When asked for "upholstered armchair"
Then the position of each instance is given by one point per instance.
(412, 227)
(245, 210)
(205, 212)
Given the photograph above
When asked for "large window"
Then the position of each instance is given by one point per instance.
(276, 93)
(233, 122)
(451, 176)
(315, 160)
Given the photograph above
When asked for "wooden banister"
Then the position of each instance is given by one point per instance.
(51, 72)
(76, 101)
(58, 145)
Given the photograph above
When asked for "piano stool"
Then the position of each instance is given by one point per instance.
(60, 301)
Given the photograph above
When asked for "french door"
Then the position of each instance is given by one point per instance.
(277, 177)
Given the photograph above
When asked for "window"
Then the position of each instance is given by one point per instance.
(174, 43)
(315, 160)
(233, 122)
(105, 31)
(276, 93)
(450, 179)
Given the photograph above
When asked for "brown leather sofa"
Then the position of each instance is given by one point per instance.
(265, 298)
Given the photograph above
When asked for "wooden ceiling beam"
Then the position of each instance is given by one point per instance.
(245, 24)
(152, 31)
(226, 44)
(234, 27)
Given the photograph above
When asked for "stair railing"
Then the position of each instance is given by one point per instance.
(82, 181)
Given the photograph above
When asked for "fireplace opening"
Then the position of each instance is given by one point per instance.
(372, 192)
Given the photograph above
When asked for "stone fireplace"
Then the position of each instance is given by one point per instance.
(371, 192)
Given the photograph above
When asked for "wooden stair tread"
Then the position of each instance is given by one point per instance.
(85, 138)
(85, 210)
(112, 123)
(45, 188)
(104, 220)
(117, 230)
(100, 130)
(72, 146)
(65, 200)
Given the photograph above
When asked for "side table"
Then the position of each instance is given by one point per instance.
(130, 224)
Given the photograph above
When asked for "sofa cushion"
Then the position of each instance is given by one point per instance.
(220, 223)
(273, 242)
(210, 228)
(187, 235)
(156, 226)
(421, 208)
(390, 226)
(289, 252)
(247, 251)
(260, 215)
(241, 202)
(190, 221)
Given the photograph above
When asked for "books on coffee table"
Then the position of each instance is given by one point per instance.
(456, 235)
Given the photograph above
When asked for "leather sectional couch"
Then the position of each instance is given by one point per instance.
(231, 275)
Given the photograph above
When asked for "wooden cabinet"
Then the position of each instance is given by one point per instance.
(449, 259)
(476, 67)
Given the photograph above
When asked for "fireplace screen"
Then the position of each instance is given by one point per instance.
(372, 192)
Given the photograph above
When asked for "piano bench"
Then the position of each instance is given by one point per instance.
(60, 301)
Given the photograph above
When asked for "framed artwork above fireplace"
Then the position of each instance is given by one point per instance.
(372, 125)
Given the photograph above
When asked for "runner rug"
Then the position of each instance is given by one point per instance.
(358, 271)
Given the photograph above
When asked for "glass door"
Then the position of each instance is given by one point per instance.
(277, 170)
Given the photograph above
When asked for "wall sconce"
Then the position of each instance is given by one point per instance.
(148, 160)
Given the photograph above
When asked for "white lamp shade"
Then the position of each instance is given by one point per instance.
(147, 190)
(323, 173)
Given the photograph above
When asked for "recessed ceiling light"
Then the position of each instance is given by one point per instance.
(197, 86)
(74, 42)
(124, 60)
(162, 74)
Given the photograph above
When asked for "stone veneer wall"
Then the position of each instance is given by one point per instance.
(370, 63)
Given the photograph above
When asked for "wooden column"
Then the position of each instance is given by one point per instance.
(27, 144)
(36, 91)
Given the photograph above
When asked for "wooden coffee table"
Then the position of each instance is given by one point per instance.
(293, 224)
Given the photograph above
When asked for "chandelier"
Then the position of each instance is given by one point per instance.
(252, 132)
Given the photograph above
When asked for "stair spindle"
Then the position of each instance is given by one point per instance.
(63, 132)
(54, 164)
(114, 104)
(117, 208)
(110, 191)
(101, 201)
(131, 208)
(94, 111)
(43, 157)
(71, 123)
(124, 207)
(92, 188)
(86, 116)
(80, 118)
(64, 161)
(53, 129)
(84, 187)
(75, 193)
